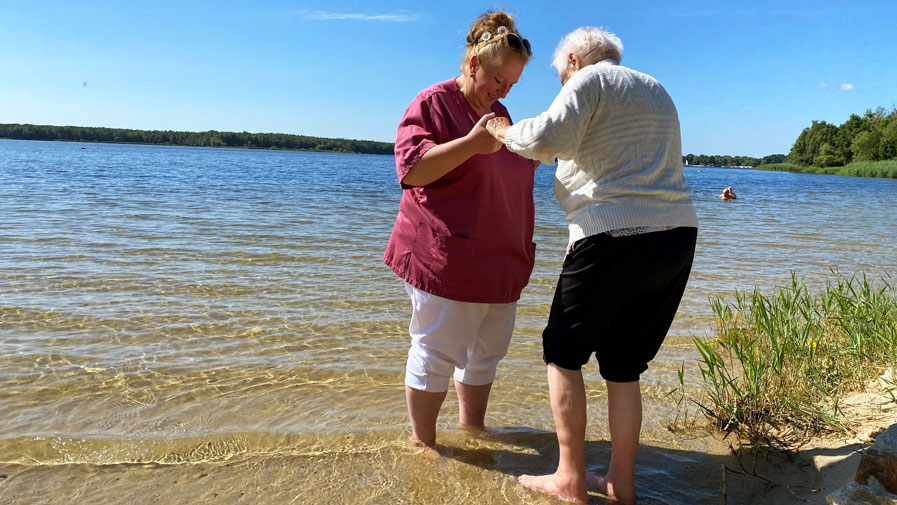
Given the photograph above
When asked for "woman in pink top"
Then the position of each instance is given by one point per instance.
(462, 240)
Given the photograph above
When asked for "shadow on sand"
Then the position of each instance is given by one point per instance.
(672, 476)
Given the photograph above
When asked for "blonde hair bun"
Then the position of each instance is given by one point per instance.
(491, 53)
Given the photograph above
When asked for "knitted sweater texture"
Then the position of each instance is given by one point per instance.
(615, 134)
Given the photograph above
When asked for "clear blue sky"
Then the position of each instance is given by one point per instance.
(745, 76)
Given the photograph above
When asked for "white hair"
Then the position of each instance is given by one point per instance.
(591, 44)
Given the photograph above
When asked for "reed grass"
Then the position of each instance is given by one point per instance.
(784, 167)
(885, 169)
(780, 364)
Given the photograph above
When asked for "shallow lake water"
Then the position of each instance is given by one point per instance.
(216, 325)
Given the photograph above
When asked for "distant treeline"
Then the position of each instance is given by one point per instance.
(870, 137)
(720, 160)
(209, 138)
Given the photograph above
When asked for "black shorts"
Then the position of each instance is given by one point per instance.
(617, 297)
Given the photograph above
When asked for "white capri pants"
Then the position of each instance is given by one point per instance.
(447, 335)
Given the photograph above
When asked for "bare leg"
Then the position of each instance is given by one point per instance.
(473, 401)
(423, 409)
(568, 404)
(624, 404)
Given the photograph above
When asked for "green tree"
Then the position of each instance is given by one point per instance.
(844, 138)
(887, 143)
(865, 146)
(772, 158)
(828, 157)
(810, 141)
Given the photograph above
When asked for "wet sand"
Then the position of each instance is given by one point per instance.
(381, 468)
(463, 475)
(470, 471)
(355, 470)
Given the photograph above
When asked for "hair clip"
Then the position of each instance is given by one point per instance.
(487, 36)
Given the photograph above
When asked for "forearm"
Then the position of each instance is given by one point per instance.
(438, 161)
(539, 138)
(497, 129)
(557, 132)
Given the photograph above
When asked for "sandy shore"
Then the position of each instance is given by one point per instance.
(351, 470)
(825, 465)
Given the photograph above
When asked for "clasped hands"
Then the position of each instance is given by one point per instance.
(488, 135)
(497, 126)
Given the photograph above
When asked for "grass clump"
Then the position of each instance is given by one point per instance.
(779, 365)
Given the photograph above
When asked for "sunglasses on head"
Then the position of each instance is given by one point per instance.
(519, 44)
(516, 42)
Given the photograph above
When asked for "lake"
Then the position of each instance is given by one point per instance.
(216, 326)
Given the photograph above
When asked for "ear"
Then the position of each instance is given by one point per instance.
(574, 61)
(474, 61)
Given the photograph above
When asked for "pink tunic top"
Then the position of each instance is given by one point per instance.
(467, 236)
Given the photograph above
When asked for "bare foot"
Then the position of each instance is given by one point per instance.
(607, 489)
(473, 431)
(481, 431)
(419, 448)
(564, 488)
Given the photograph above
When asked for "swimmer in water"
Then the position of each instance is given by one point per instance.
(728, 194)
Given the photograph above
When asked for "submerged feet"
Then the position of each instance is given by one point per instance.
(488, 433)
(574, 490)
(558, 486)
(428, 451)
(617, 493)
(472, 430)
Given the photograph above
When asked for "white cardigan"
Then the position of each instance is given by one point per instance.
(615, 133)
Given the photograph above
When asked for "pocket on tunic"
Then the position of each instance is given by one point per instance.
(455, 258)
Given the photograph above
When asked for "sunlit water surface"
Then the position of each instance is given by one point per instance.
(228, 310)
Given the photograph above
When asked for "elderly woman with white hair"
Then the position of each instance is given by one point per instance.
(633, 228)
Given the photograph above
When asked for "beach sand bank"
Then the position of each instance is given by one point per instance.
(380, 468)
(470, 471)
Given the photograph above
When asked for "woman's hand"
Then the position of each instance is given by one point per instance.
(443, 158)
(497, 127)
(480, 139)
